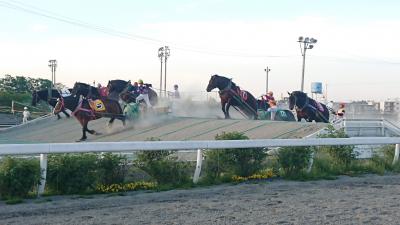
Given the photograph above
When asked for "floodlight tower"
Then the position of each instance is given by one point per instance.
(53, 66)
(266, 84)
(161, 56)
(308, 43)
(166, 55)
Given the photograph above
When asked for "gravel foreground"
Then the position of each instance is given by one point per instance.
(349, 200)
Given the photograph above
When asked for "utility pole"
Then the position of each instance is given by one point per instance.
(53, 66)
(266, 84)
(308, 43)
(161, 56)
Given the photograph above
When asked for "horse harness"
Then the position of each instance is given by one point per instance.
(307, 104)
(242, 97)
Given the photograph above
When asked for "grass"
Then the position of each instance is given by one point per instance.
(14, 201)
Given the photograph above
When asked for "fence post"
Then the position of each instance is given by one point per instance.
(12, 107)
(198, 166)
(43, 170)
(396, 154)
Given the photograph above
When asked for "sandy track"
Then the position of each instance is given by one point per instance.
(362, 200)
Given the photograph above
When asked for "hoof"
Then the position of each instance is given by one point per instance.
(97, 133)
(81, 140)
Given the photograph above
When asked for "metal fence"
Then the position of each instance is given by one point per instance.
(52, 148)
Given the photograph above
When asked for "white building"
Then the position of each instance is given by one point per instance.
(390, 106)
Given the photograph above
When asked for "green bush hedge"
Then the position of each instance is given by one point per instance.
(18, 176)
(293, 160)
(228, 162)
(71, 173)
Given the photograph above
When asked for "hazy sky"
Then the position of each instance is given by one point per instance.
(357, 53)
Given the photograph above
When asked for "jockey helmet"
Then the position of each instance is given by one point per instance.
(341, 105)
(140, 81)
(25, 108)
(270, 93)
(175, 86)
(135, 84)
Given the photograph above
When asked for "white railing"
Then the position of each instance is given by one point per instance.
(50, 148)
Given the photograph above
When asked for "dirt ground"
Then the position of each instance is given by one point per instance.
(349, 200)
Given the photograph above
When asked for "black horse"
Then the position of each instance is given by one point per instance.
(84, 113)
(85, 90)
(128, 93)
(43, 95)
(308, 108)
(118, 86)
(231, 94)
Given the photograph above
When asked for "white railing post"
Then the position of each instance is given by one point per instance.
(198, 166)
(43, 173)
(396, 154)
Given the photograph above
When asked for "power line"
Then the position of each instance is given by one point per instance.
(19, 6)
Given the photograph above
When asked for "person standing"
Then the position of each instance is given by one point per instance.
(176, 92)
(25, 115)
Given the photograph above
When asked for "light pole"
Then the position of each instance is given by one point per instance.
(161, 56)
(266, 84)
(53, 66)
(166, 55)
(308, 43)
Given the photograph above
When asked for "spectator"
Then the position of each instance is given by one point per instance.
(176, 92)
(26, 114)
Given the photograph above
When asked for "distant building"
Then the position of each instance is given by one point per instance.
(390, 106)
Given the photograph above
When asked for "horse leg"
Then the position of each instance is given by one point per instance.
(84, 128)
(227, 105)
(111, 121)
(65, 112)
(223, 108)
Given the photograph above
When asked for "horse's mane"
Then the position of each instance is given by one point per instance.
(232, 83)
(299, 94)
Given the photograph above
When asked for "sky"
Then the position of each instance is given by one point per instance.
(356, 56)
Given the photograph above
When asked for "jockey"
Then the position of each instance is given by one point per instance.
(273, 108)
(143, 93)
(103, 91)
(269, 96)
(341, 111)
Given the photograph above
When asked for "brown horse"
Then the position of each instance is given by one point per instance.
(231, 94)
(84, 113)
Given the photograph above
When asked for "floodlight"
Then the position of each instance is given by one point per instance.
(301, 38)
(307, 39)
(315, 41)
(310, 46)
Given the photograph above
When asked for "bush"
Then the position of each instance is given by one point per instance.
(18, 177)
(111, 169)
(341, 155)
(71, 173)
(293, 160)
(227, 162)
(164, 168)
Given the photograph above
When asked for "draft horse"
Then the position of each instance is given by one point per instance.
(43, 95)
(127, 92)
(308, 108)
(85, 90)
(84, 113)
(232, 95)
